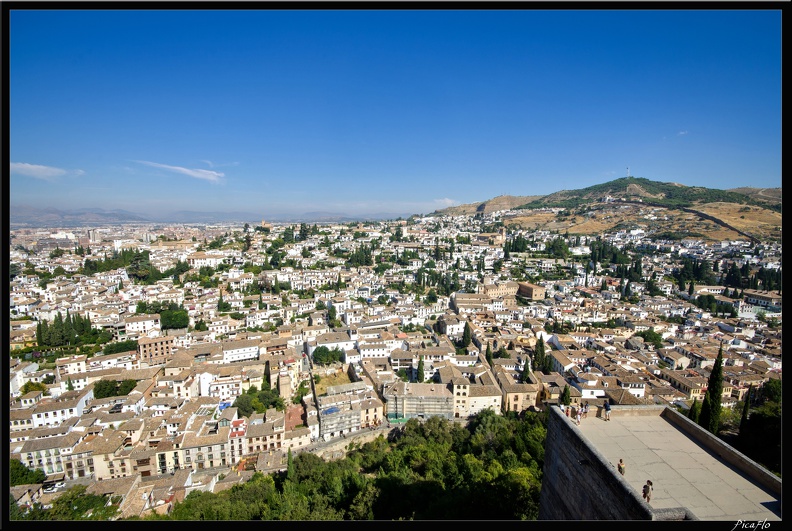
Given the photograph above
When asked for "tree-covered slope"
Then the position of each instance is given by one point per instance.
(639, 188)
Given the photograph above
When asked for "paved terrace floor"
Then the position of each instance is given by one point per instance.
(684, 474)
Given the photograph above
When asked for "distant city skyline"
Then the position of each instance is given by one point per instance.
(359, 112)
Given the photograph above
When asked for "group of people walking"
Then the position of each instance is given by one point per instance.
(582, 411)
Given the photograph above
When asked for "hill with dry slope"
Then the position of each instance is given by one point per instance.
(770, 195)
(502, 202)
(597, 218)
(633, 203)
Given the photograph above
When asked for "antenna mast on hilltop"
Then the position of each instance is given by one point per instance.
(628, 171)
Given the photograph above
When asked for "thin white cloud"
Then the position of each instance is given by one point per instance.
(682, 133)
(206, 175)
(446, 202)
(37, 171)
(213, 165)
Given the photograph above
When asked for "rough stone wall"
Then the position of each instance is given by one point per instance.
(337, 448)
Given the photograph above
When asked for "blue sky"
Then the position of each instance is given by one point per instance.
(368, 111)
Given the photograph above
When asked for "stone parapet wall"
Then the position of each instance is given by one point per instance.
(725, 452)
(579, 483)
(631, 411)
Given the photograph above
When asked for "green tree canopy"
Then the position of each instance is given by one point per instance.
(771, 390)
(120, 346)
(710, 420)
(695, 411)
(19, 474)
(704, 415)
(467, 335)
(126, 386)
(651, 337)
(325, 356)
(34, 386)
(174, 319)
(566, 397)
(105, 388)
(745, 411)
(244, 405)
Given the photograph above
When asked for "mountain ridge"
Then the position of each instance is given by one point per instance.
(668, 194)
(671, 209)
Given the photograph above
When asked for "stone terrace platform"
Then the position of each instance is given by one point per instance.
(656, 443)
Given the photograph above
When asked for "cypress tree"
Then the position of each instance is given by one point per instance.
(46, 336)
(489, 354)
(69, 334)
(746, 407)
(566, 397)
(420, 377)
(58, 331)
(539, 354)
(86, 325)
(526, 372)
(547, 366)
(466, 335)
(715, 390)
(704, 415)
(695, 411)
